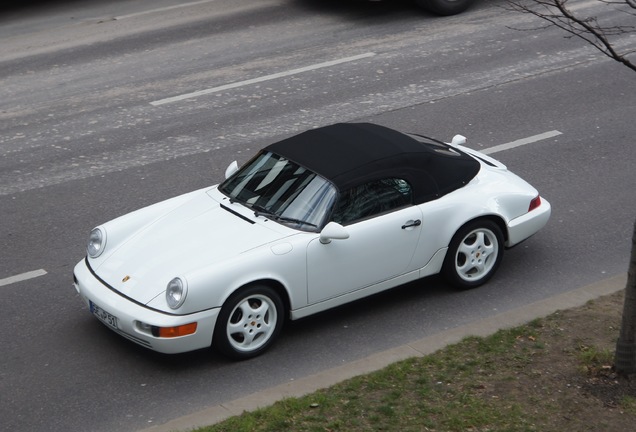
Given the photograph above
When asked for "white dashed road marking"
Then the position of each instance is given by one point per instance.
(261, 79)
(163, 9)
(520, 142)
(22, 277)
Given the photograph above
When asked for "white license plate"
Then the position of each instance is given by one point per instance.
(104, 316)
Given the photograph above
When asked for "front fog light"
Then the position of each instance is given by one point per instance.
(143, 327)
(176, 293)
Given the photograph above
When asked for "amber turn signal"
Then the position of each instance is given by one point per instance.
(170, 332)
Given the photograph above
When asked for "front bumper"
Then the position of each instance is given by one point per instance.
(134, 321)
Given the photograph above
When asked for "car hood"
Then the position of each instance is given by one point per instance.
(200, 232)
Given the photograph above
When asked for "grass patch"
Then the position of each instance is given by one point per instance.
(522, 379)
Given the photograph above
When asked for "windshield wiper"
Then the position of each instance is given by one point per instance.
(262, 211)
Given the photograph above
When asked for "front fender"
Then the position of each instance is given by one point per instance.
(282, 261)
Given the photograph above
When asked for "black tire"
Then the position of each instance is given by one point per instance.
(474, 254)
(445, 7)
(249, 322)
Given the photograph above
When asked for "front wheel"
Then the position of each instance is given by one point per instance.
(249, 322)
(473, 254)
(445, 7)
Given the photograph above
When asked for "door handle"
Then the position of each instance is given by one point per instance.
(412, 224)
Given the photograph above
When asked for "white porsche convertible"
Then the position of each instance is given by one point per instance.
(309, 223)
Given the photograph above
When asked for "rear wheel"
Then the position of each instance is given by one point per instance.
(474, 254)
(445, 7)
(249, 322)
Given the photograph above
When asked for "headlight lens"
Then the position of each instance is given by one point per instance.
(96, 242)
(176, 292)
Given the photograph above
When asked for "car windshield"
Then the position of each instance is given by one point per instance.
(282, 190)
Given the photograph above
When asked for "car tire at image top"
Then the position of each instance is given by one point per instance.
(249, 322)
(445, 7)
(474, 254)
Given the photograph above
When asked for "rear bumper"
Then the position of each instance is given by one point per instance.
(134, 321)
(525, 226)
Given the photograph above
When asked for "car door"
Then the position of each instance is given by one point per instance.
(384, 230)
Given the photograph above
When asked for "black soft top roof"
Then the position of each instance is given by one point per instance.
(350, 154)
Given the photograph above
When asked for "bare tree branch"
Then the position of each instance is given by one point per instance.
(556, 13)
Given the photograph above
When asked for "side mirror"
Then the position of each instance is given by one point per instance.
(231, 169)
(458, 140)
(333, 231)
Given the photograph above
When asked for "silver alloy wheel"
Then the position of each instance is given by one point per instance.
(477, 254)
(252, 323)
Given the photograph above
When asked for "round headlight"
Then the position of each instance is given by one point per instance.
(176, 292)
(96, 242)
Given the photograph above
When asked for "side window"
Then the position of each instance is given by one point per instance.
(371, 199)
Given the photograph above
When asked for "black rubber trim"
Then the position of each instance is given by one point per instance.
(131, 299)
(237, 214)
(487, 162)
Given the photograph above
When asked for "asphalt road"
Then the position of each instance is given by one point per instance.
(88, 131)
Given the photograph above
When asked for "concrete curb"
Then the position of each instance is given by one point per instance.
(419, 348)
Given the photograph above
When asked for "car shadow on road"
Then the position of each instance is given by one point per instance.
(361, 9)
(41, 5)
(365, 317)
